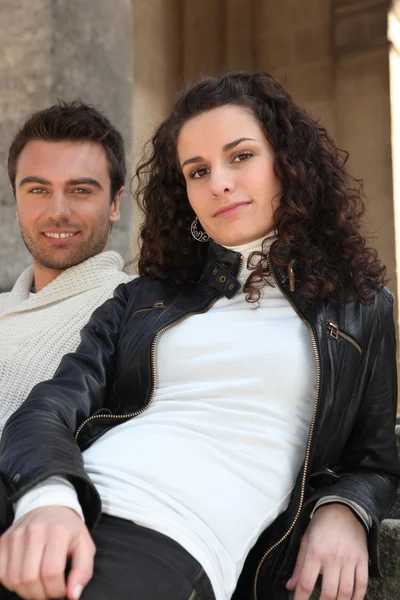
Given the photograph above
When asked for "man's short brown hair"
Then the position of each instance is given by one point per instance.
(72, 121)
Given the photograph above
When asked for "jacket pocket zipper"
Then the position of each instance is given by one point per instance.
(159, 304)
(335, 333)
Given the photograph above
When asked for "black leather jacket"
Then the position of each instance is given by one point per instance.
(351, 450)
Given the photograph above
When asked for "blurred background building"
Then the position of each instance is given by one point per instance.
(338, 58)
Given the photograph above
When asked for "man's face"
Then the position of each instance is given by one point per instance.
(63, 201)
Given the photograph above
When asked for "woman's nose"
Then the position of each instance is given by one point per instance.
(222, 182)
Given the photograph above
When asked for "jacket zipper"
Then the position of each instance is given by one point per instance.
(161, 331)
(335, 332)
(153, 361)
(310, 434)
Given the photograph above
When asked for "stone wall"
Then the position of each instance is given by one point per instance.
(25, 82)
(157, 60)
(60, 49)
(394, 37)
(363, 117)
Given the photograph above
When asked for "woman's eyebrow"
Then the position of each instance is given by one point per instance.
(229, 146)
(195, 159)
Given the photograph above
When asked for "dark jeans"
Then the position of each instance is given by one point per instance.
(136, 563)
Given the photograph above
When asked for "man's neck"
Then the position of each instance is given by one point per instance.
(42, 276)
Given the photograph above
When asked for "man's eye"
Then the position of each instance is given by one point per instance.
(199, 173)
(80, 191)
(242, 156)
(37, 190)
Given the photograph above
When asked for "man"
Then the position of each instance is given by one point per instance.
(67, 170)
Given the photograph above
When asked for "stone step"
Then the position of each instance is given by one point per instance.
(388, 586)
(395, 512)
(398, 437)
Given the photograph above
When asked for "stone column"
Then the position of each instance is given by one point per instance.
(293, 43)
(363, 120)
(394, 37)
(25, 83)
(61, 49)
(158, 65)
(239, 34)
(203, 38)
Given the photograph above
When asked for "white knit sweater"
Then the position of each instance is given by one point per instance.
(37, 330)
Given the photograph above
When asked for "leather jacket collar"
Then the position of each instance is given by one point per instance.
(221, 269)
(223, 266)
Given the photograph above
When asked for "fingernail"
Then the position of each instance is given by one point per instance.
(77, 592)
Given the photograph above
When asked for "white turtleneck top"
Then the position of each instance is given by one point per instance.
(213, 460)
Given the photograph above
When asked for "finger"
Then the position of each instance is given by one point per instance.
(12, 574)
(82, 560)
(308, 577)
(52, 572)
(29, 555)
(291, 584)
(361, 580)
(3, 557)
(330, 581)
(346, 583)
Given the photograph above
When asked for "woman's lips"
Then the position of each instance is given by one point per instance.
(227, 211)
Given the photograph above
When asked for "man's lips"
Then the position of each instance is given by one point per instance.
(59, 236)
(230, 209)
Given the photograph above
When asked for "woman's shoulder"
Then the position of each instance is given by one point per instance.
(147, 291)
(380, 297)
(366, 319)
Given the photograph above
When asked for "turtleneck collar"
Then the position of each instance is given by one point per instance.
(246, 249)
(254, 245)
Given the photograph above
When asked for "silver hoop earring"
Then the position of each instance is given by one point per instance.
(200, 236)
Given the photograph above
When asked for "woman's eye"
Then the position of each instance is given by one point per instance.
(242, 156)
(199, 173)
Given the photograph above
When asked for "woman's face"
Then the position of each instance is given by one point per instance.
(227, 163)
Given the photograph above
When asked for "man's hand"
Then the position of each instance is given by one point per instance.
(334, 545)
(34, 553)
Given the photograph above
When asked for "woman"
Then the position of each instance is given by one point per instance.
(246, 379)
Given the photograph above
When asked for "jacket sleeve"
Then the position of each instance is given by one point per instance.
(38, 440)
(369, 469)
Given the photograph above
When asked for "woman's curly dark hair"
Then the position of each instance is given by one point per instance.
(318, 221)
